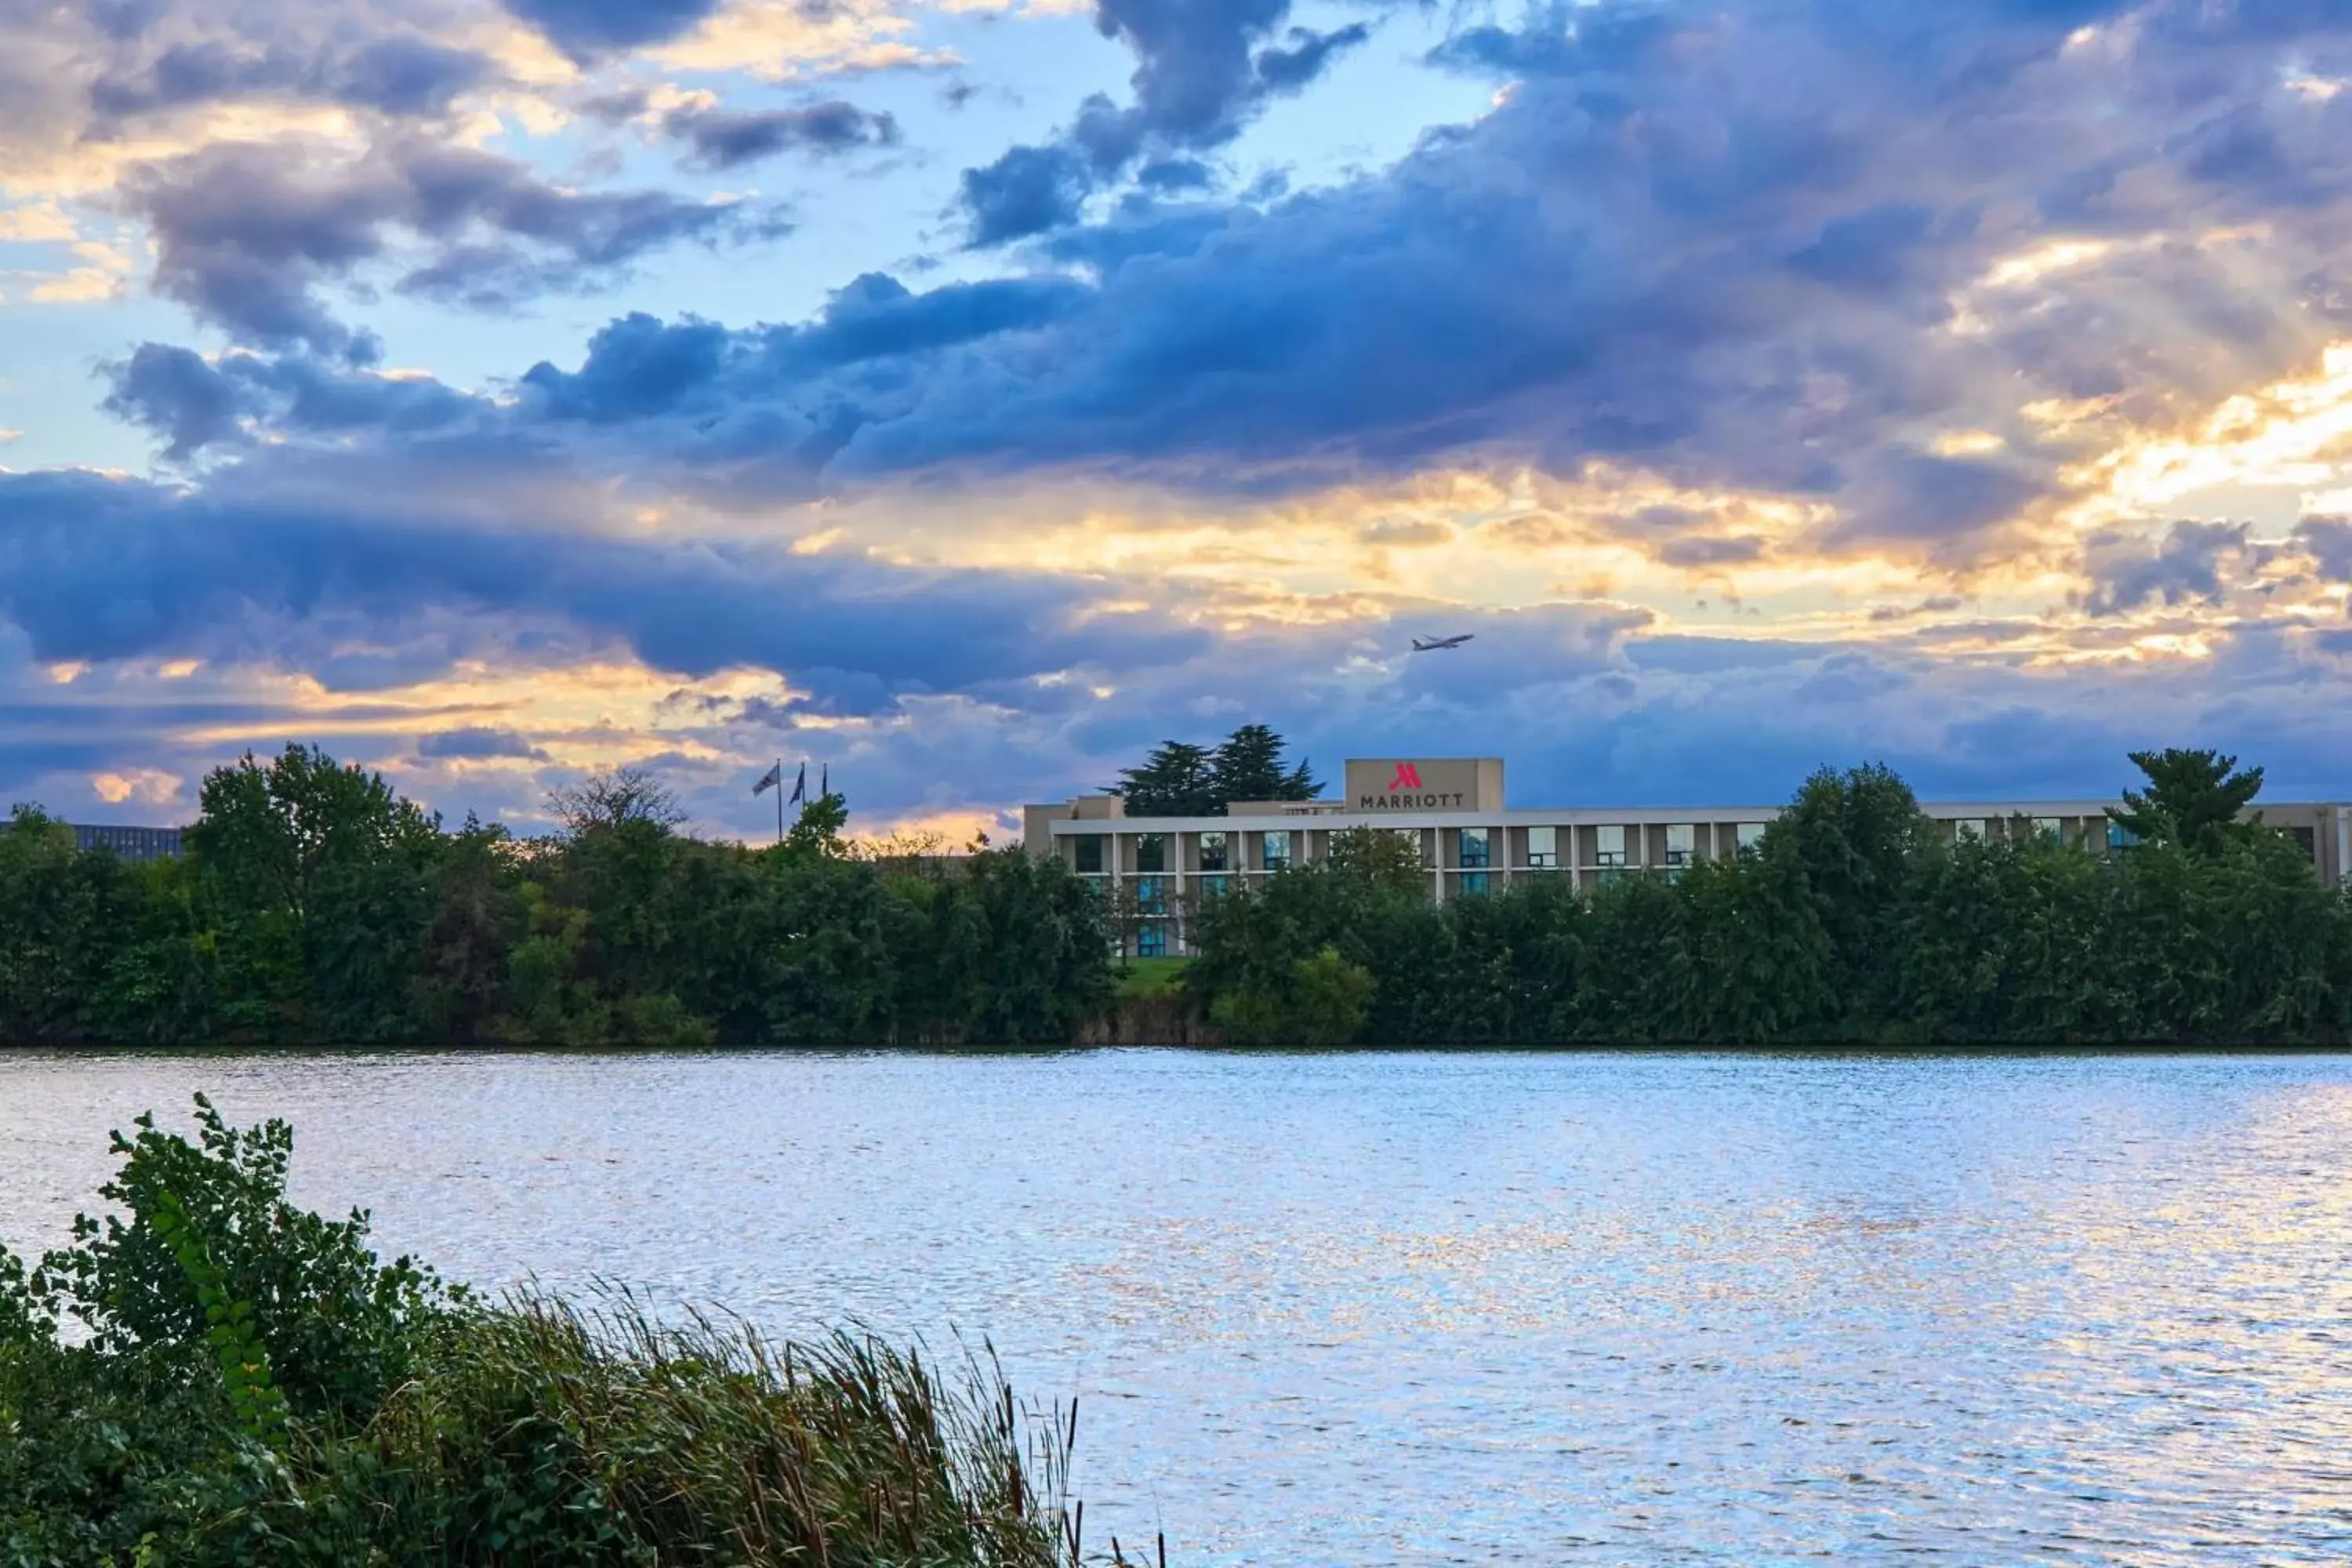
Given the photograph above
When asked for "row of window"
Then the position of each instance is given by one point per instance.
(1474, 848)
(1151, 851)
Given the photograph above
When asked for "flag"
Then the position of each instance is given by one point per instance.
(799, 786)
(772, 779)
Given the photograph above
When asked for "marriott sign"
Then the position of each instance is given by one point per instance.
(1424, 783)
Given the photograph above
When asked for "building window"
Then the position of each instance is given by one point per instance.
(1969, 827)
(1151, 895)
(2120, 838)
(1151, 851)
(1090, 854)
(1748, 835)
(1212, 852)
(1274, 853)
(1543, 848)
(1476, 848)
(1682, 840)
(1214, 884)
(1151, 942)
(1411, 836)
(2307, 840)
(1610, 845)
(2050, 827)
(1473, 881)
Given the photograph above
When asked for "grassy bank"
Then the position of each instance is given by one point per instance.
(212, 1376)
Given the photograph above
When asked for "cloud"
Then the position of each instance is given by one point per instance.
(1303, 54)
(173, 392)
(1871, 298)
(721, 140)
(401, 75)
(1026, 191)
(586, 29)
(2186, 565)
(1696, 272)
(247, 234)
(1202, 71)
(102, 569)
(193, 403)
(2329, 541)
(478, 744)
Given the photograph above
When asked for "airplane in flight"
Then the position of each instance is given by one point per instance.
(1431, 645)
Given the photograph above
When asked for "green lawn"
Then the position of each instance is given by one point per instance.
(1143, 977)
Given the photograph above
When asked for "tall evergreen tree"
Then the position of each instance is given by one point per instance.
(2194, 799)
(1179, 778)
(1250, 765)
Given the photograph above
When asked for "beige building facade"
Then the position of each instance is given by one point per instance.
(1470, 842)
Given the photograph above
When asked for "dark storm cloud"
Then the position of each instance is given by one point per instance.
(1302, 54)
(399, 76)
(2186, 565)
(100, 569)
(248, 233)
(722, 140)
(193, 403)
(640, 367)
(1026, 191)
(587, 28)
(175, 393)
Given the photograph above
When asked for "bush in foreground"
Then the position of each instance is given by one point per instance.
(212, 1376)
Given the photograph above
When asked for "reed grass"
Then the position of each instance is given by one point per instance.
(705, 1442)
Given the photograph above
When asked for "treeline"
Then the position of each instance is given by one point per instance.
(1851, 922)
(315, 905)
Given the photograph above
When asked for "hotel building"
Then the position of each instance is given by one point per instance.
(1470, 842)
(129, 843)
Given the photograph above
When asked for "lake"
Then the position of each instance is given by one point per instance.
(1730, 1310)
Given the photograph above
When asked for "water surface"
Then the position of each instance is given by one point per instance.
(1715, 1310)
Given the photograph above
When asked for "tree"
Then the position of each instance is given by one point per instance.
(1176, 780)
(1179, 778)
(267, 834)
(1377, 859)
(478, 918)
(63, 915)
(320, 877)
(1848, 844)
(817, 833)
(1249, 765)
(2194, 799)
(615, 798)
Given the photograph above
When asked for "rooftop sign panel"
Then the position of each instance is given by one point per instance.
(1424, 783)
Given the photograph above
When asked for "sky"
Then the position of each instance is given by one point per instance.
(965, 397)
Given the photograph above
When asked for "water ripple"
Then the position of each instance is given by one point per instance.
(1707, 1310)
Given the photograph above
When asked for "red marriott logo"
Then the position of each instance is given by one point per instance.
(1407, 777)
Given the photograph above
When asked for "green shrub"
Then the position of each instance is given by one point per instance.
(213, 1377)
(1321, 1003)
